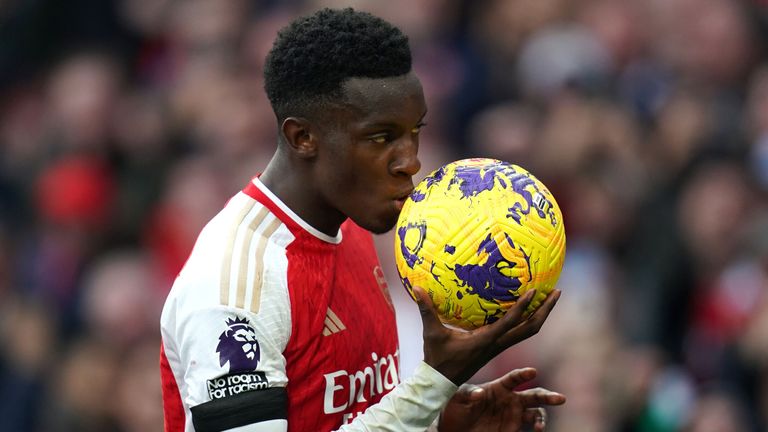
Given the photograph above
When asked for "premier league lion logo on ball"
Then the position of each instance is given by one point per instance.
(238, 346)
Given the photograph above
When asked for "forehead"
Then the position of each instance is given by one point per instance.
(373, 100)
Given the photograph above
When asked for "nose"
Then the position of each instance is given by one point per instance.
(406, 161)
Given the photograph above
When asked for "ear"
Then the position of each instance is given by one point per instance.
(298, 136)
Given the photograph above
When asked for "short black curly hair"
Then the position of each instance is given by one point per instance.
(312, 56)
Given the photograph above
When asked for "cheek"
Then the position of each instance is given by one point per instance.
(337, 163)
(348, 172)
(363, 178)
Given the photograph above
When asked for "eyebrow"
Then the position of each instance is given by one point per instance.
(384, 125)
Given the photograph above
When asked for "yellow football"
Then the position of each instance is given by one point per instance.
(476, 234)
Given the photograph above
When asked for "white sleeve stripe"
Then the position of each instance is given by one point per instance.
(226, 266)
(242, 272)
(260, 250)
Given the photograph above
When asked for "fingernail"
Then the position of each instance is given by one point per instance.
(476, 394)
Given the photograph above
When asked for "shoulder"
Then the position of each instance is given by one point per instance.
(228, 262)
(238, 263)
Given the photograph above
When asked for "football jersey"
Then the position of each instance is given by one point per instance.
(274, 322)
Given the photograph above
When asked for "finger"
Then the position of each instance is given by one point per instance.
(427, 310)
(532, 325)
(515, 378)
(541, 314)
(540, 396)
(513, 316)
(469, 394)
(536, 417)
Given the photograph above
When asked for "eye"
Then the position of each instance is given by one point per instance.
(379, 138)
(418, 127)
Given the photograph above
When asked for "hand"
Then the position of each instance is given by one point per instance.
(458, 354)
(496, 406)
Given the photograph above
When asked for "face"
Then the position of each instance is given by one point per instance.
(367, 152)
(246, 336)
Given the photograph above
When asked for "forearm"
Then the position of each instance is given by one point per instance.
(412, 406)
(434, 426)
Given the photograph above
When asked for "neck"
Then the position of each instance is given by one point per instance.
(295, 187)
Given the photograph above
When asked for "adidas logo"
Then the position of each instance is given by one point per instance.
(332, 324)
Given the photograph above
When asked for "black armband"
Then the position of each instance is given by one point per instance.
(241, 410)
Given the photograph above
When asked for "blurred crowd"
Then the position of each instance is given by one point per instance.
(126, 124)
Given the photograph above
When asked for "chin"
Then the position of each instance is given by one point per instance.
(379, 226)
(381, 230)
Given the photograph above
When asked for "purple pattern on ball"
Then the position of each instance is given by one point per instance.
(435, 178)
(475, 179)
(417, 196)
(412, 257)
(486, 280)
(434, 275)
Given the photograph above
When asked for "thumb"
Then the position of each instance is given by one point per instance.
(429, 317)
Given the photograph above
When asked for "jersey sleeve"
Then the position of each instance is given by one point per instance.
(228, 360)
(235, 372)
(227, 321)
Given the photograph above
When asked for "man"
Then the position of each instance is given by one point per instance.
(280, 320)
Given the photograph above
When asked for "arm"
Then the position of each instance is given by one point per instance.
(228, 369)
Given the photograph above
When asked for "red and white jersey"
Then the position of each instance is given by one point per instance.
(263, 324)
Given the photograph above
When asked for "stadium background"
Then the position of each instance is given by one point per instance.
(126, 124)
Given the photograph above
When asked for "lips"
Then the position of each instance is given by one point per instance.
(400, 202)
(405, 194)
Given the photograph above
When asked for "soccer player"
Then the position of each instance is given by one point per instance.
(281, 319)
